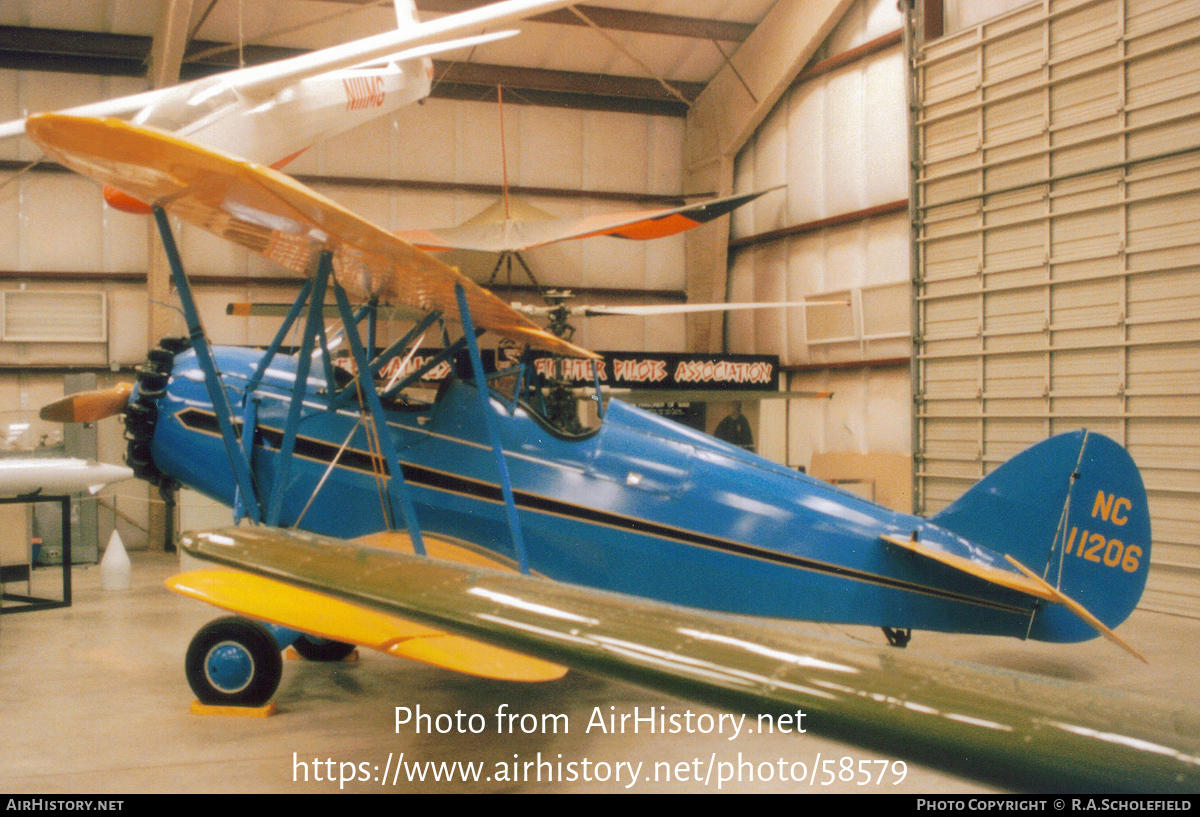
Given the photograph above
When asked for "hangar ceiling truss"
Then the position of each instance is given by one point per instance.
(110, 54)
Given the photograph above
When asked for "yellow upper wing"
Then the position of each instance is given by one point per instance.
(275, 216)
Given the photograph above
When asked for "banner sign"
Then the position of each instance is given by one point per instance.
(624, 370)
(673, 371)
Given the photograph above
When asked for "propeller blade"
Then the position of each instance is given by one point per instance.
(670, 309)
(676, 309)
(88, 406)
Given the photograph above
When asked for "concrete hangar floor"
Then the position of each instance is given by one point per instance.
(93, 700)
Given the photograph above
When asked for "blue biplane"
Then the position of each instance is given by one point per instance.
(1054, 545)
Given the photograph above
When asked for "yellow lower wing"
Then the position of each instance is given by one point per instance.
(327, 617)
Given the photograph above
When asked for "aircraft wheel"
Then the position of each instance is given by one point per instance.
(233, 661)
(312, 648)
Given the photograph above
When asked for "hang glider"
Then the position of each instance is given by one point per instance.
(271, 214)
(512, 225)
(1020, 732)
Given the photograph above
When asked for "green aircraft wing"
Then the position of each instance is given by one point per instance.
(1018, 731)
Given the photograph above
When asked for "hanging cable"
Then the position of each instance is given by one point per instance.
(649, 71)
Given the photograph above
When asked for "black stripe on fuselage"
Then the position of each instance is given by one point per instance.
(363, 461)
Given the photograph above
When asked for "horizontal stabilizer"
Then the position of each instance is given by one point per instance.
(989, 573)
(1025, 581)
(299, 609)
(1074, 509)
(1079, 610)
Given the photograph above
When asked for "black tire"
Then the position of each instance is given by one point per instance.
(312, 648)
(233, 661)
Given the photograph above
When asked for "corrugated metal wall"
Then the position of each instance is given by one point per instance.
(1059, 253)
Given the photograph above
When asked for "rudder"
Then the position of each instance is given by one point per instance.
(1073, 510)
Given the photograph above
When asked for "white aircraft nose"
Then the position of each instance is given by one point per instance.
(50, 475)
(102, 473)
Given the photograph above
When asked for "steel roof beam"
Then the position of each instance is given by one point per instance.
(83, 52)
(640, 22)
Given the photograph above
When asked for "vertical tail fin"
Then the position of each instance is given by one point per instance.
(1073, 509)
(406, 13)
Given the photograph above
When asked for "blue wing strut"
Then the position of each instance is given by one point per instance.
(212, 378)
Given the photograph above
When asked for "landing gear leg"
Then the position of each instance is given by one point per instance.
(312, 648)
(897, 637)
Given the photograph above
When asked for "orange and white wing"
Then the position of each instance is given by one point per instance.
(516, 234)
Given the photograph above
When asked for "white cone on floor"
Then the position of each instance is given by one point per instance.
(115, 567)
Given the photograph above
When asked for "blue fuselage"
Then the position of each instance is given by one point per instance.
(642, 506)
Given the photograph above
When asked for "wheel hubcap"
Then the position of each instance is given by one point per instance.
(229, 667)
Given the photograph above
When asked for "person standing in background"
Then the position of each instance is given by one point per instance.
(735, 429)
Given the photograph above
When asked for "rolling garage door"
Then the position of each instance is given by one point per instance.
(1058, 253)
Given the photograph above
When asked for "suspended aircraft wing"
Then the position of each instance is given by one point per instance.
(269, 78)
(275, 216)
(261, 81)
(1017, 731)
(515, 227)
